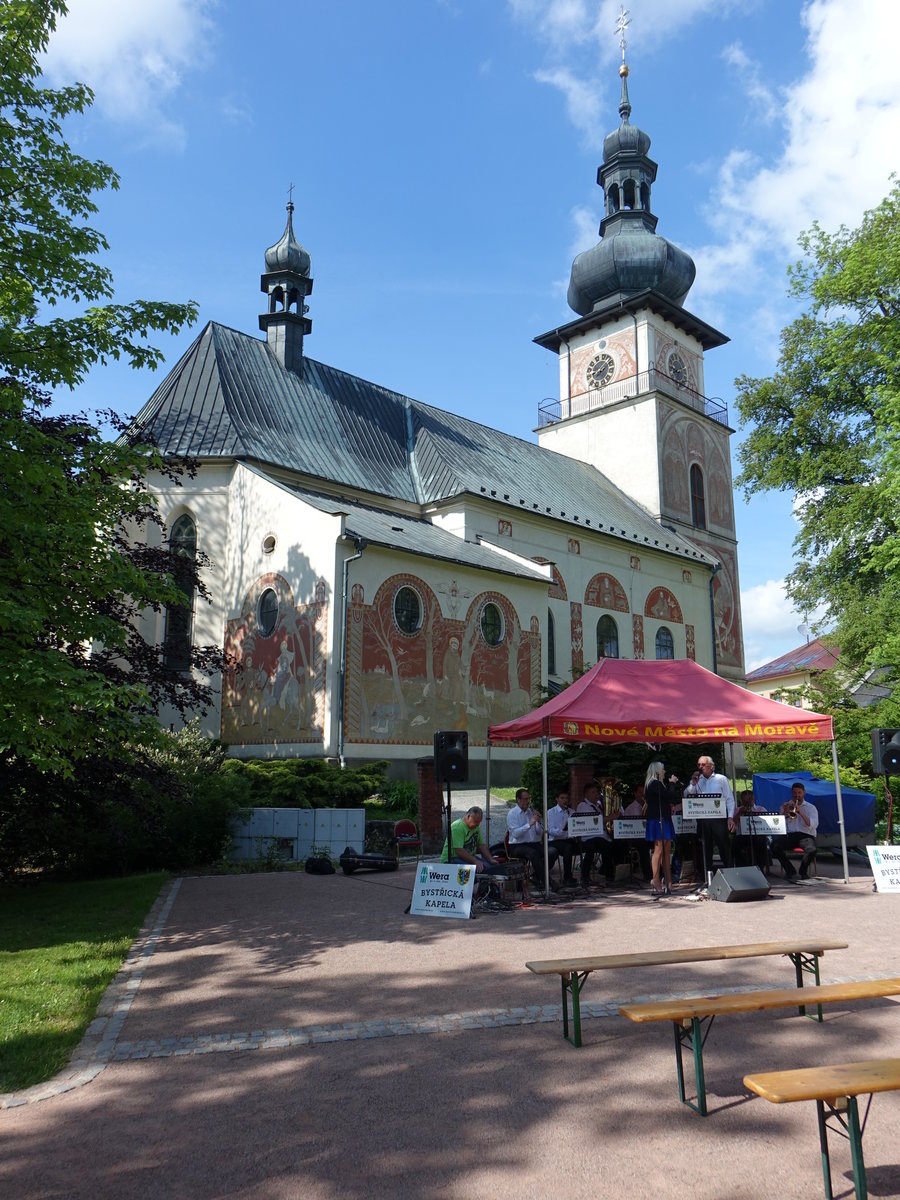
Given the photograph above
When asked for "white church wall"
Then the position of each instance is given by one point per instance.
(280, 620)
(205, 499)
(623, 446)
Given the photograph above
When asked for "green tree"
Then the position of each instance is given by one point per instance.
(826, 429)
(77, 679)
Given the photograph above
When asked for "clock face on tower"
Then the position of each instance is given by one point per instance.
(677, 369)
(600, 371)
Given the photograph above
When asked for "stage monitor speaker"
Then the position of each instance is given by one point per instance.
(451, 756)
(739, 883)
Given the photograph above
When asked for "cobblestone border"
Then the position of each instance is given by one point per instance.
(98, 1043)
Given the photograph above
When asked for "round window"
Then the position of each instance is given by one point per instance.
(408, 610)
(269, 544)
(267, 612)
(600, 371)
(677, 369)
(492, 624)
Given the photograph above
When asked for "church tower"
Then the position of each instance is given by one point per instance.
(287, 283)
(632, 400)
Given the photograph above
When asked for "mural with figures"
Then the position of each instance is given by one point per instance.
(274, 687)
(413, 667)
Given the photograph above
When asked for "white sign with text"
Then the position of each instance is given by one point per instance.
(683, 824)
(885, 863)
(582, 824)
(711, 804)
(629, 827)
(443, 890)
(763, 824)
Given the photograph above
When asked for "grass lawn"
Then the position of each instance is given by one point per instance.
(60, 945)
(503, 793)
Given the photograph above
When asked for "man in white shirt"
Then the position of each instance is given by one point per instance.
(526, 833)
(715, 830)
(802, 822)
(558, 827)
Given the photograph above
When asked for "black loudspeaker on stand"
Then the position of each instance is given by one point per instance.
(451, 756)
(739, 883)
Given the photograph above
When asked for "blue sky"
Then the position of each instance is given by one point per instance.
(444, 155)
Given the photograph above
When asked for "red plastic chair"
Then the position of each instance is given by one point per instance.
(406, 837)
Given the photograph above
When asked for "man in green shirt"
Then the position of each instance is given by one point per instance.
(468, 846)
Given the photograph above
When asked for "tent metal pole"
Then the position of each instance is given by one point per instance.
(487, 795)
(546, 838)
(840, 808)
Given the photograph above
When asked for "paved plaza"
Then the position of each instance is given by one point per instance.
(286, 1035)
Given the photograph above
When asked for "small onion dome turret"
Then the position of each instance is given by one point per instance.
(287, 254)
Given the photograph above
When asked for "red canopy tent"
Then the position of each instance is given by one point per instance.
(624, 700)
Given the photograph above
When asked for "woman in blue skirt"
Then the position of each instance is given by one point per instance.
(659, 796)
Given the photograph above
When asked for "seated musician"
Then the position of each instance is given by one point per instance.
(468, 845)
(595, 843)
(558, 827)
(749, 850)
(526, 833)
(802, 822)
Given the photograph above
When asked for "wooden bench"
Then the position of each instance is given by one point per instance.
(692, 1017)
(835, 1089)
(804, 954)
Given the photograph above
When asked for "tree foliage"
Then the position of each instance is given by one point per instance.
(77, 679)
(826, 428)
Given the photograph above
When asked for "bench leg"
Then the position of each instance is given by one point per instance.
(809, 963)
(856, 1150)
(823, 1147)
(571, 985)
(854, 1137)
(694, 1036)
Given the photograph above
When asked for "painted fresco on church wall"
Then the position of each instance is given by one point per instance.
(684, 442)
(413, 668)
(605, 591)
(274, 687)
(662, 606)
(726, 610)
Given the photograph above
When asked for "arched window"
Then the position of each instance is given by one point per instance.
(267, 612)
(628, 194)
(492, 624)
(665, 643)
(607, 638)
(612, 199)
(551, 644)
(698, 499)
(408, 609)
(179, 617)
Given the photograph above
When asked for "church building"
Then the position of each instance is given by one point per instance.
(382, 569)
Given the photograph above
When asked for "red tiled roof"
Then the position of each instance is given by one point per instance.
(813, 656)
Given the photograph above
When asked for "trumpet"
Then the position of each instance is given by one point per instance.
(790, 809)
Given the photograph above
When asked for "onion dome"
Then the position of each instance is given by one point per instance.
(631, 257)
(287, 254)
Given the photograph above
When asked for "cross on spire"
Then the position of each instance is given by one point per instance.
(290, 203)
(621, 25)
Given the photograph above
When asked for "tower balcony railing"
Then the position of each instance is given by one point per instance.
(550, 411)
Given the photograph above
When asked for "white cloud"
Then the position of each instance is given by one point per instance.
(582, 101)
(771, 623)
(750, 74)
(133, 55)
(842, 128)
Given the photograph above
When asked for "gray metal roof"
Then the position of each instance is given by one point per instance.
(230, 397)
(382, 528)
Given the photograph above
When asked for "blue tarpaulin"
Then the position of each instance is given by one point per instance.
(772, 790)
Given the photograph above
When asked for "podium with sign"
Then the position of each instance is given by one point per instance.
(443, 890)
(885, 864)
